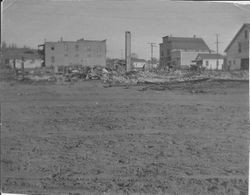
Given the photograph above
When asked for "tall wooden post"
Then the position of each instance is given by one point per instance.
(128, 50)
(14, 67)
(22, 68)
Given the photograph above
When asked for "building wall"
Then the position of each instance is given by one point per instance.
(84, 52)
(176, 58)
(165, 53)
(234, 55)
(188, 56)
(233, 63)
(161, 57)
(211, 64)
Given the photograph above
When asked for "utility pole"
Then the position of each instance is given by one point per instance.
(22, 67)
(152, 45)
(217, 50)
(14, 66)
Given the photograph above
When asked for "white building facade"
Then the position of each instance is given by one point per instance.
(237, 52)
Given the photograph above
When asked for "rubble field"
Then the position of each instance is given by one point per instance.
(181, 138)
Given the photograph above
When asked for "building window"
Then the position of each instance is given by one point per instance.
(66, 47)
(88, 51)
(99, 52)
(7, 61)
(52, 48)
(77, 47)
(52, 59)
(239, 47)
(246, 34)
(206, 62)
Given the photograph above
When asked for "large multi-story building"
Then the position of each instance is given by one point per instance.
(180, 52)
(237, 52)
(80, 52)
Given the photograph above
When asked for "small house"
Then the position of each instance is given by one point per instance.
(139, 64)
(210, 61)
(15, 56)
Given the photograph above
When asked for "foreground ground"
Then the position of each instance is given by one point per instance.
(84, 138)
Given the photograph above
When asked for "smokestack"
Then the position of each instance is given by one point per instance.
(61, 39)
(128, 50)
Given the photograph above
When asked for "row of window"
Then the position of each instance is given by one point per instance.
(66, 48)
(66, 55)
(230, 62)
(77, 55)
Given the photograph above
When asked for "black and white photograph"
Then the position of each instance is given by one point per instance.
(124, 97)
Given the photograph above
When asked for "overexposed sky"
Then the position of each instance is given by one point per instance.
(29, 22)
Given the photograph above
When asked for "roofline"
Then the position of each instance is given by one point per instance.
(236, 36)
(220, 56)
(184, 37)
(200, 38)
(77, 41)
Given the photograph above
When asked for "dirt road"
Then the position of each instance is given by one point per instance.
(84, 138)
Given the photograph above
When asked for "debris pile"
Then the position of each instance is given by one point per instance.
(119, 76)
(228, 75)
(76, 73)
(38, 75)
(115, 78)
(148, 77)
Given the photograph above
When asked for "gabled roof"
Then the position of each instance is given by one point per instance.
(187, 43)
(243, 26)
(209, 56)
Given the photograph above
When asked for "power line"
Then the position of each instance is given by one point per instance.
(152, 45)
(217, 50)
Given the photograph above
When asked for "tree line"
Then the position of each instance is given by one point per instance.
(6, 45)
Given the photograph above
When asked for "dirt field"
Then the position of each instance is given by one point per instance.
(84, 138)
